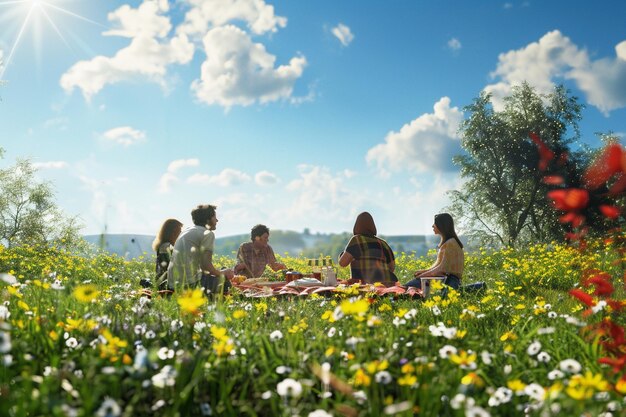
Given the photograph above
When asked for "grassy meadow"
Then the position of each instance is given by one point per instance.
(77, 338)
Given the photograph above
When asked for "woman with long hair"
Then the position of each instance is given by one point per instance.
(370, 257)
(163, 245)
(450, 256)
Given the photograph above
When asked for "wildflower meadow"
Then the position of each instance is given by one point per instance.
(78, 337)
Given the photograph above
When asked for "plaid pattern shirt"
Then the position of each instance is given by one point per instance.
(372, 257)
(254, 259)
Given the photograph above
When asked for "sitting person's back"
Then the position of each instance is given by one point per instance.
(370, 258)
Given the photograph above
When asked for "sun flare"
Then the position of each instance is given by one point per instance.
(25, 11)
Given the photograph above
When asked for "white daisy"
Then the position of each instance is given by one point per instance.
(289, 388)
(533, 348)
(571, 366)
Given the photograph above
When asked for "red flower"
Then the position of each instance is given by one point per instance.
(608, 163)
(569, 199)
(545, 154)
(611, 212)
(619, 185)
(583, 297)
(602, 284)
(616, 363)
(572, 217)
(553, 180)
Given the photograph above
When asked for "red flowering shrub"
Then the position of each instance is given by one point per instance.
(596, 195)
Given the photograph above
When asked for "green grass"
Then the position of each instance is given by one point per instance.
(349, 354)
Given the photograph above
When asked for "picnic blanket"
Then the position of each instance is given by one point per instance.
(307, 287)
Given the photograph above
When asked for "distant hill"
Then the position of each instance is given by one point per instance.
(283, 242)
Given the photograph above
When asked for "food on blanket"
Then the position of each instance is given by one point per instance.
(238, 279)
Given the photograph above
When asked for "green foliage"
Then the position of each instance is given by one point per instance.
(28, 212)
(504, 199)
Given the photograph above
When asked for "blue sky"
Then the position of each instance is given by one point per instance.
(290, 113)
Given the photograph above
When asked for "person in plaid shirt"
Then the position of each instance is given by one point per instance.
(254, 256)
(370, 258)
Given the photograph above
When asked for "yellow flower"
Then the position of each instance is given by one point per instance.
(219, 333)
(21, 304)
(516, 385)
(361, 378)
(86, 293)
(463, 358)
(238, 314)
(223, 347)
(407, 368)
(472, 379)
(407, 380)
(329, 351)
(328, 315)
(190, 301)
(384, 307)
(354, 307)
(508, 336)
(582, 387)
(262, 306)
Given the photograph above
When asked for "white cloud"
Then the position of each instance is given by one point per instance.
(265, 178)
(57, 123)
(145, 58)
(343, 33)
(228, 177)
(454, 44)
(207, 14)
(604, 80)
(425, 144)
(240, 72)
(181, 163)
(556, 57)
(50, 165)
(170, 178)
(124, 135)
(320, 195)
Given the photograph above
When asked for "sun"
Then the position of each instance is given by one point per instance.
(25, 11)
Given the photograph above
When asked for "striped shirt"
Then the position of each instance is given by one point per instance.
(372, 257)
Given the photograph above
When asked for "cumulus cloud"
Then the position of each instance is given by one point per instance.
(320, 194)
(604, 80)
(238, 71)
(124, 135)
(170, 177)
(147, 57)
(556, 57)
(454, 44)
(50, 165)
(265, 178)
(228, 177)
(424, 144)
(343, 33)
(207, 14)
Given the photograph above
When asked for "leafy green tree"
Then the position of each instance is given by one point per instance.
(503, 200)
(28, 212)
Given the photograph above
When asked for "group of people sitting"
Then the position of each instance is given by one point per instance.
(185, 257)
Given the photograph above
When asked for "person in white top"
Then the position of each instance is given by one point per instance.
(192, 257)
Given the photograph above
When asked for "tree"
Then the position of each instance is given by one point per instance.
(28, 213)
(504, 197)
